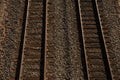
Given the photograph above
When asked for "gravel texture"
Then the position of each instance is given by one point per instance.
(3, 15)
(10, 45)
(64, 37)
(65, 40)
(113, 24)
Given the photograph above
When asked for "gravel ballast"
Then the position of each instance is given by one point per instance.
(65, 40)
(10, 45)
(113, 24)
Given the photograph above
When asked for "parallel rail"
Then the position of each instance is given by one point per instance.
(45, 50)
(21, 53)
(89, 17)
(104, 43)
(83, 40)
(94, 44)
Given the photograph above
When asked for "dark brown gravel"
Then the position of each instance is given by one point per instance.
(113, 23)
(65, 32)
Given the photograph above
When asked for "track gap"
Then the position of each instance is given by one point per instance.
(17, 74)
(42, 61)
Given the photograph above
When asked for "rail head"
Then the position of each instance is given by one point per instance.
(45, 49)
(83, 40)
(103, 37)
(24, 35)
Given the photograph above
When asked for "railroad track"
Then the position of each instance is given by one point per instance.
(32, 59)
(30, 62)
(96, 54)
(35, 60)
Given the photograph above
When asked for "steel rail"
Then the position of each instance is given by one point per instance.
(104, 42)
(45, 47)
(85, 55)
(22, 53)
